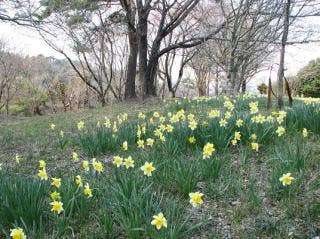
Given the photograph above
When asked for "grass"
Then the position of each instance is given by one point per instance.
(243, 197)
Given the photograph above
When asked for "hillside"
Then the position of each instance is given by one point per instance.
(214, 167)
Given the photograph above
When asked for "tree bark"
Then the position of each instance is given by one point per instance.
(286, 12)
(143, 52)
(269, 103)
(288, 92)
(130, 85)
(216, 84)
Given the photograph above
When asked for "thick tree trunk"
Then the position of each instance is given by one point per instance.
(202, 86)
(142, 37)
(130, 85)
(286, 12)
(151, 75)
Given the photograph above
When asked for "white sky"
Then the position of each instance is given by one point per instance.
(28, 42)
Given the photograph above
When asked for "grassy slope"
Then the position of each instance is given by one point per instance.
(242, 200)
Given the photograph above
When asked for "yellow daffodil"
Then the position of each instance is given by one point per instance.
(115, 127)
(156, 115)
(228, 115)
(52, 126)
(223, 123)
(61, 133)
(255, 146)
(253, 137)
(192, 140)
(229, 105)
(237, 135)
(75, 156)
(253, 107)
(18, 158)
(125, 145)
(196, 199)
(305, 133)
(239, 122)
(193, 125)
(270, 119)
(280, 119)
(169, 128)
(174, 118)
(78, 181)
(190, 117)
(42, 164)
(107, 123)
(260, 119)
(87, 191)
(208, 149)
(117, 160)
(162, 138)
(55, 196)
(128, 162)
(280, 131)
(97, 166)
(234, 142)
(57, 206)
(141, 115)
(80, 125)
(147, 169)
(140, 144)
(157, 132)
(17, 233)
(159, 221)
(56, 182)
(149, 142)
(162, 119)
(214, 114)
(162, 127)
(85, 165)
(286, 179)
(43, 174)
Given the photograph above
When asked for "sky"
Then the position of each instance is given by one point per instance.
(28, 42)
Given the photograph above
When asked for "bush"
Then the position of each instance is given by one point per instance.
(308, 79)
(262, 88)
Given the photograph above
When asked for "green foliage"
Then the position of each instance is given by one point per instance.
(309, 79)
(22, 202)
(262, 88)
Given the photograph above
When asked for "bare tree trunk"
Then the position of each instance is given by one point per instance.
(288, 92)
(216, 83)
(269, 103)
(286, 12)
(7, 100)
(143, 53)
(151, 74)
(130, 85)
(201, 82)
